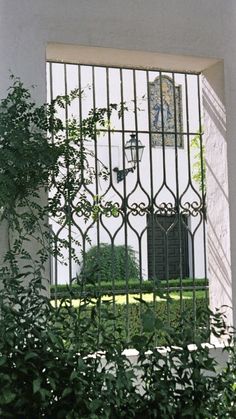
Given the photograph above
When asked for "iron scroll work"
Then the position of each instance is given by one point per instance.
(166, 112)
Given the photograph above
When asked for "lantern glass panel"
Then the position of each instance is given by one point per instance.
(134, 149)
(140, 151)
(129, 153)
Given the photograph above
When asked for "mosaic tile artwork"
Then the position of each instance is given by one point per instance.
(168, 113)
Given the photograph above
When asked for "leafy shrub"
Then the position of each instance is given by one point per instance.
(73, 365)
(45, 367)
(108, 262)
(131, 318)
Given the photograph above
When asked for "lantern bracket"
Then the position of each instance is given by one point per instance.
(122, 173)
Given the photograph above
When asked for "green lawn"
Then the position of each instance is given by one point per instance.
(147, 297)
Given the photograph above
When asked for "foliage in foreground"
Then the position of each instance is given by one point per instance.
(58, 363)
(129, 317)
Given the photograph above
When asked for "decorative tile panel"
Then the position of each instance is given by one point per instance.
(166, 112)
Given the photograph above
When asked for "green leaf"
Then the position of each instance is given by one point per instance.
(73, 375)
(66, 392)
(148, 320)
(95, 405)
(139, 341)
(3, 360)
(36, 385)
(31, 355)
(52, 383)
(6, 396)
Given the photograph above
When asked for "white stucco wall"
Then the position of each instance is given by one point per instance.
(183, 28)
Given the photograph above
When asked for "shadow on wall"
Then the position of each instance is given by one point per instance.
(214, 107)
(218, 229)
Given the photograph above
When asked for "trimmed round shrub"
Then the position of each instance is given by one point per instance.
(107, 262)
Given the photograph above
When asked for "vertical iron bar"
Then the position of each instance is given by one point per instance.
(55, 256)
(81, 123)
(124, 205)
(136, 118)
(68, 203)
(50, 254)
(96, 159)
(81, 152)
(139, 181)
(97, 190)
(203, 180)
(52, 139)
(110, 172)
(177, 196)
(190, 181)
(151, 210)
(56, 271)
(51, 91)
(164, 182)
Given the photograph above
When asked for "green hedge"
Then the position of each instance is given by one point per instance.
(121, 287)
(131, 319)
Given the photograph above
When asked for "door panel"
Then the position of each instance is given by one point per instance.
(167, 247)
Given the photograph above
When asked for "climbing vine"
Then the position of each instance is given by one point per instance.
(40, 153)
(199, 164)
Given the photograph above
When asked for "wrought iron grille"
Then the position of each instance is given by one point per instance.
(156, 239)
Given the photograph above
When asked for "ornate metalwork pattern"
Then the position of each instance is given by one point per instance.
(156, 212)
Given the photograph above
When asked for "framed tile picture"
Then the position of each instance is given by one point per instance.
(166, 112)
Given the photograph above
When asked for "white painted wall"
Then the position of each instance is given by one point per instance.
(187, 28)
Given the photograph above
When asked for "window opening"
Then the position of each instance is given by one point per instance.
(158, 233)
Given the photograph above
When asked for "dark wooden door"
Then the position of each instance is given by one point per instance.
(167, 247)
